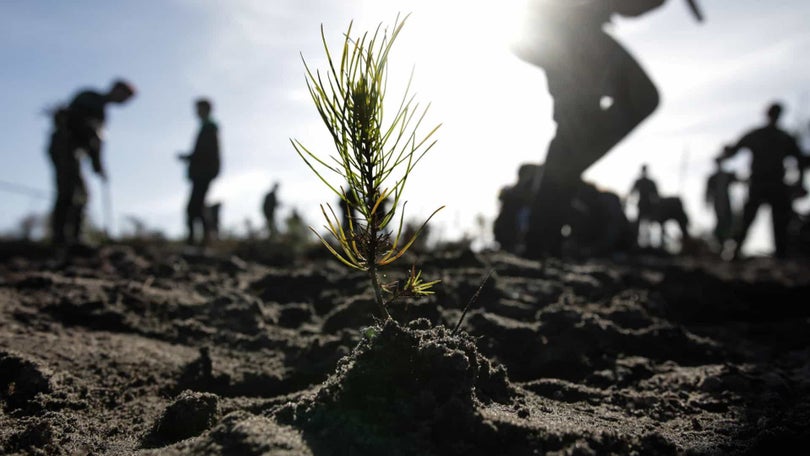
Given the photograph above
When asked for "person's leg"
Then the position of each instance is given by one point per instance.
(637, 230)
(599, 98)
(586, 130)
(646, 221)
(722, 210)
(683, 224)
(749, 213)
(194, 210)
(781, 212)
(65, 186)
(633, 97)
(208, 219)
(550, 206)
(77, 206)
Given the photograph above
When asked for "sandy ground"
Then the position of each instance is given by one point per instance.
(159, 350)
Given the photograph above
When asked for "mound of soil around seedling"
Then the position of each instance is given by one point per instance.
(155, 349)
(411, 389)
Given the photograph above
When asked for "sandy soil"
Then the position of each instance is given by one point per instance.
(158, 350)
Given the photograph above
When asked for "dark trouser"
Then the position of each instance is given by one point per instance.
(724, 220)
(550, 210)
(776, 196)
(71, 198)
(597, 67)
(195, 211)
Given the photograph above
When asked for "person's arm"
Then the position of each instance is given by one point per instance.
(94, 152)
(633, 8)
(86, 121)
(731, 150)
(695, 9)
(801, 160)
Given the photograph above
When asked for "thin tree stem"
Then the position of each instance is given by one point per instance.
(378, 294)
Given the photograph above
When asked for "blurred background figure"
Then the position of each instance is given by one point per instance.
(297, 231)
(769, 145)
(718, 197)
(203, 167)
(77, 132)
(512, 222)
(646, 194)
(269, 207)
(211, 215)
(600, 93)
(666, 209)
(598, 225)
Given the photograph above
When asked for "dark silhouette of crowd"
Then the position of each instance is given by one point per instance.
(600, 93)
(76, 136)
(594, 221)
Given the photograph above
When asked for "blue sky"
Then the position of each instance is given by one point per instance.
(715, 79)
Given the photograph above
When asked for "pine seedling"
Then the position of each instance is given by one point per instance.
(374, 157)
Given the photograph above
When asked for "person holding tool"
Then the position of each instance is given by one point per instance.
(77, 132)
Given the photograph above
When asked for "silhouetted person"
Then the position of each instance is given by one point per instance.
(600, 95)
(269, 209)
(646, 200)
(77, 132)
(297, 232)
(718, 195)
(203, 167)
(598, 224)
(769, 146)
(512, 221)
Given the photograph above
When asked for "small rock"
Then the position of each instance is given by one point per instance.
(189, 415)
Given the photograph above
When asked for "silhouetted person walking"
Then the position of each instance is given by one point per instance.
(718, 196)
(269, 209)
(646, 201)
(600, 95)
(769, 146)
(203, 167)
(77, 132)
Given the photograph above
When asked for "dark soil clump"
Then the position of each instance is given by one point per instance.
(189, 415)
(412, 389)
(21, 379)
